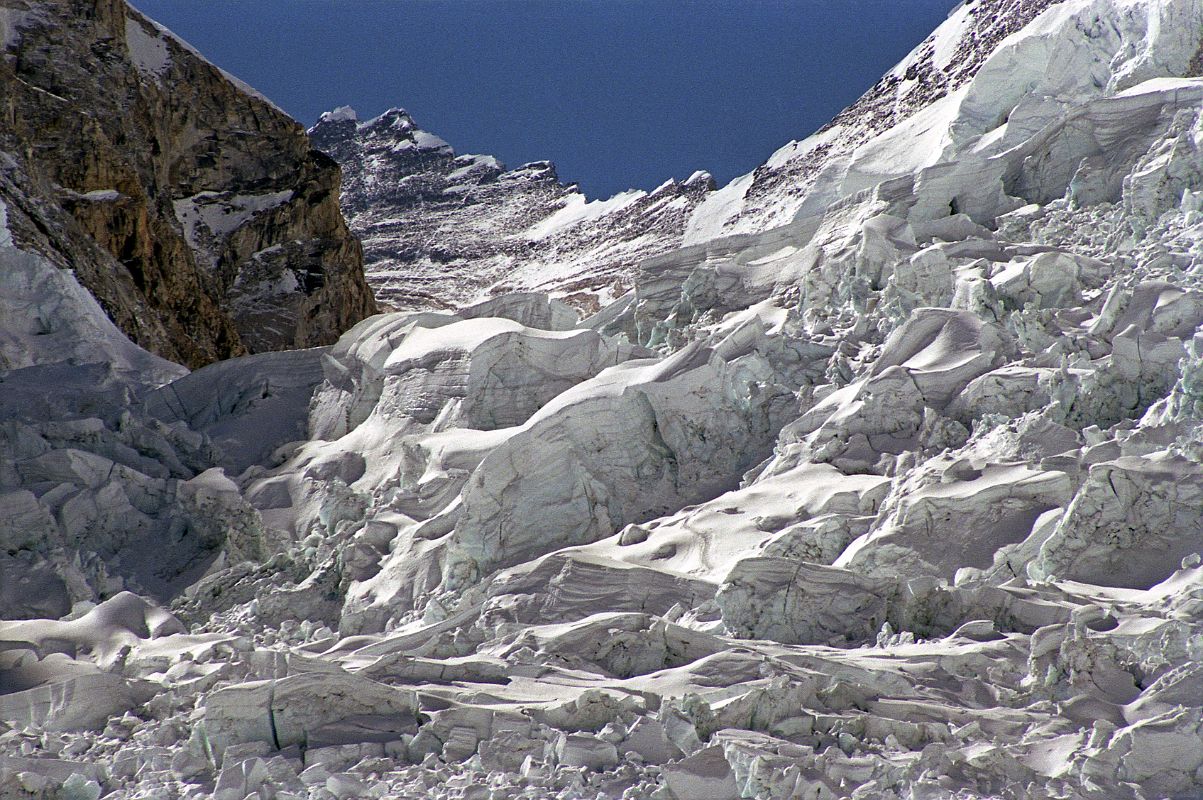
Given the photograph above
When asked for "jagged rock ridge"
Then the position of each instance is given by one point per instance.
(441, 230)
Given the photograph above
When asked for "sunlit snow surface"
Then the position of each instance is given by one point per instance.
(902, 498)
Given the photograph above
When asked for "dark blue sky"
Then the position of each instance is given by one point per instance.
(619, 93)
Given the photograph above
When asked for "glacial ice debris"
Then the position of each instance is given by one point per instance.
(634, 443)
(59, 674)
(248, 407)
(996, 505)
(1132, 521)
(474, 372)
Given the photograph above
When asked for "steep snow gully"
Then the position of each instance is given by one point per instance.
(881, 478)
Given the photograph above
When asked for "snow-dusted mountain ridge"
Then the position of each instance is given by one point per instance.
(440, 230)
(887, 484)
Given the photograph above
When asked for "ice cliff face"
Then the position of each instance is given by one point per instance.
(900, 499)
(195, 212)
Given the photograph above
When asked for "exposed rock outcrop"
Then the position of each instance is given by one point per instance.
(195, 211)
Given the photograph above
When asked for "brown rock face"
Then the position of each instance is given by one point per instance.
(195, 211)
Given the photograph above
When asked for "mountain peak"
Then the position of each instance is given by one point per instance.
(404, 187)
(340, 114)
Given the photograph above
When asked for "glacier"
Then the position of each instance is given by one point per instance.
(885, 483)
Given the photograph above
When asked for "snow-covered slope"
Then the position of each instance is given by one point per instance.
(440, 230)
(961, 83)
(901, 499)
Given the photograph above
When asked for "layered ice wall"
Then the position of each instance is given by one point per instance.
(902, 498)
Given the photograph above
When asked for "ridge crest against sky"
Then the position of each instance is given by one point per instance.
(619, 94)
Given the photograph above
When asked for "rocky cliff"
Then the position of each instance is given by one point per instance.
(195, 211)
